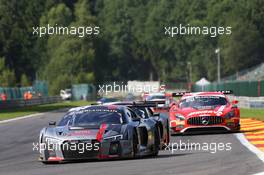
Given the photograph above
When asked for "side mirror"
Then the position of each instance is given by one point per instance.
(156, 114)
(172, 104)
(52, 123)
(234, 102)
(136, 119)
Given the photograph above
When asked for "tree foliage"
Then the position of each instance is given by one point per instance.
(131, 44)
(24, 81)
(7, 76)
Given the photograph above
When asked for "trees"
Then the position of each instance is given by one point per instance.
(7, 76)
(24, 81)
(131, 43)
(16, 42)
(70, 58)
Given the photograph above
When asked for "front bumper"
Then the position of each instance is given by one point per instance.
(200, 129)
(216, 125)
(106, 150)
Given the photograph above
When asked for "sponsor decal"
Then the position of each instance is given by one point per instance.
(82, 133)
(94, 110)
(201, 113)
(101, 131)
(219, 112)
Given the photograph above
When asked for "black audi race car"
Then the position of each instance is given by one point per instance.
(146, 111)
(99, 132)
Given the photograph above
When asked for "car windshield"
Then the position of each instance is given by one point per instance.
(88, 117)
(107, 100)
(91, 117)
(155, 97)
(67, 119)
(202, 102)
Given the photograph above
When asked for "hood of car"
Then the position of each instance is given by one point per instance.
(82, 133)
(207, 111)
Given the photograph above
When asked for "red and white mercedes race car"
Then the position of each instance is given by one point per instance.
(204, 111)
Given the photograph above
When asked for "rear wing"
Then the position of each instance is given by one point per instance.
(178, 94)
(226, 91)
(141, 103)
(157, 103)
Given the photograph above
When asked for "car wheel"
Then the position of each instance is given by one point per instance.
(168, 135)
(134, 145)
(156, 144)
(159, 136)
(166, 141)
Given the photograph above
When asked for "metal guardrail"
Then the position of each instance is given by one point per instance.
(32, 102)
(248, 102)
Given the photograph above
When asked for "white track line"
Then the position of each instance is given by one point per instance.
(31, 115)
(20, 118)
(241, 137)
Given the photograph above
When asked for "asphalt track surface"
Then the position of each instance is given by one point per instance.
(17, 155)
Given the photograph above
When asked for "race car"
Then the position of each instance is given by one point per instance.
(98, 132)
(105, 100)
(164, 100)
(154, 96)
(204, 111)
(144, 110)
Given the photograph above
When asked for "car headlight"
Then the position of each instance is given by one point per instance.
(114, 138)
(230, 115)
(52, 144)
(51, 140)
(161, 105)
(179, 117)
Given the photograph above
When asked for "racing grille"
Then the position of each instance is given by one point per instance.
(81, 152)
(205, 120)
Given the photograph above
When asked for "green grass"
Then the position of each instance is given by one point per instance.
(252, 113)
(18, 112)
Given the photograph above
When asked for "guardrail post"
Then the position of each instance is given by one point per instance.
(30, 102)
(259, 88)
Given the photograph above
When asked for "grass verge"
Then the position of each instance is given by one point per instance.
(18, 112)
(252, 113)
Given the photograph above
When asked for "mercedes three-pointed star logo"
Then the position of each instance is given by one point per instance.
(205, 120)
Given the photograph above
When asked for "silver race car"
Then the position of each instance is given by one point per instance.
(99, 132)
(145, 110)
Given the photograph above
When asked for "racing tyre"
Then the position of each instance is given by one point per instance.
(156, 144)
(134, 145)
(167, 139)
